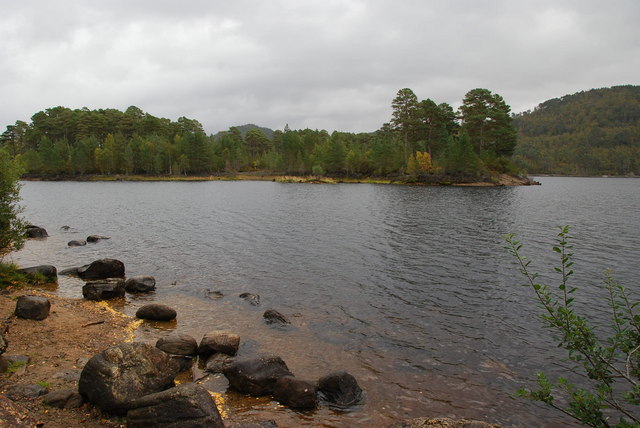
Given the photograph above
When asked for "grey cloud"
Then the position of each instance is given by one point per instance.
(327, 65)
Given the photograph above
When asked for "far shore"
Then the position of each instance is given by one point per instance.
(498, 180)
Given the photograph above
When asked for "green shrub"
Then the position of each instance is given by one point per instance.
(611, 365)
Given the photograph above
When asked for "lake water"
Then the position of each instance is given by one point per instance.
(409, 289)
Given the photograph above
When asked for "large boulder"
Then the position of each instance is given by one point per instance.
(256, 376)
(113, 378)
(35, 232)
(178, 344)
(340, 389)
(156, 312)
(295, 393)
(219, 341)
(140, 284)
(48, 271)
(185, 406)
(33, 307)
(102, 269)
(105, 289)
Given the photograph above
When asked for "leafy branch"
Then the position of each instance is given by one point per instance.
(612, 365)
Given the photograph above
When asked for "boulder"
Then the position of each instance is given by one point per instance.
(33, 307)
(256, 376)
(217, 363)
(96, 238)
(271, 316)
(219, 341)
(76, 243)
(295, 393)
(253, 299)
(105, 289)
(113, 378)
(102, 269)
(25, 391)
(35, 232)
(340, 389)
(156, 312)
(140, 284)
(63, 399)
(48, 271)
(178, 344)
(185, 406)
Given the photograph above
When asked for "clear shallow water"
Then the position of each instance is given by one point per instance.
(408, 288)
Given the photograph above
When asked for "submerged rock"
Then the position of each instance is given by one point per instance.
(271, 316)
(295, 393)
(253, 299)
(256, 376)
(36, 232)
(140, 284)
(76, 243)
(340, 389)
(156, 312)
(96, 238)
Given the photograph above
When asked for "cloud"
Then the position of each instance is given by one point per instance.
(326, 65)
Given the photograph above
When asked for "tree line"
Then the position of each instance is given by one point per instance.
(596, 132)
(422, 138)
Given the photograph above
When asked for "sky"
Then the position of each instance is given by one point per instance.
(325, 64)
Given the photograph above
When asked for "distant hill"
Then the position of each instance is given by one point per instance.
(593, 132)
(246, 128)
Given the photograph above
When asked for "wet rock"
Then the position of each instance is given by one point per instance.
(340, 389)
(178, 344)
(257, 424)
(271, 316)
(76, 243)
(23, 391)
(125, 372)
(186, 405)
(69, 272)
(253, 299)
(65, 228)
(156, 312)
(105, 289)
(96, 238)
(102, 269)
(184, 361)
(33, 307)
(219, 341)
(442, 423)
(36, 232)
(295, 393)
(256, 376)
(63, 399)
(48, 271)
(214, 294)
(217, 363)
(140, 284)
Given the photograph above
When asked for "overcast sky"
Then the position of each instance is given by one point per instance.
(328, 64)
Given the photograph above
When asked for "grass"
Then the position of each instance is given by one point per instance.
(10, 277)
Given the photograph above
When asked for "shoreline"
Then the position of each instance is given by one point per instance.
(494, 181)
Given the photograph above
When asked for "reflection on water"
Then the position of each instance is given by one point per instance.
(407, 288)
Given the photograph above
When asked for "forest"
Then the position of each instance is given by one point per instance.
(594, 132)
(423, 139)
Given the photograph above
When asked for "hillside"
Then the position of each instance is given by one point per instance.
(594, 132)
(246, 128)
